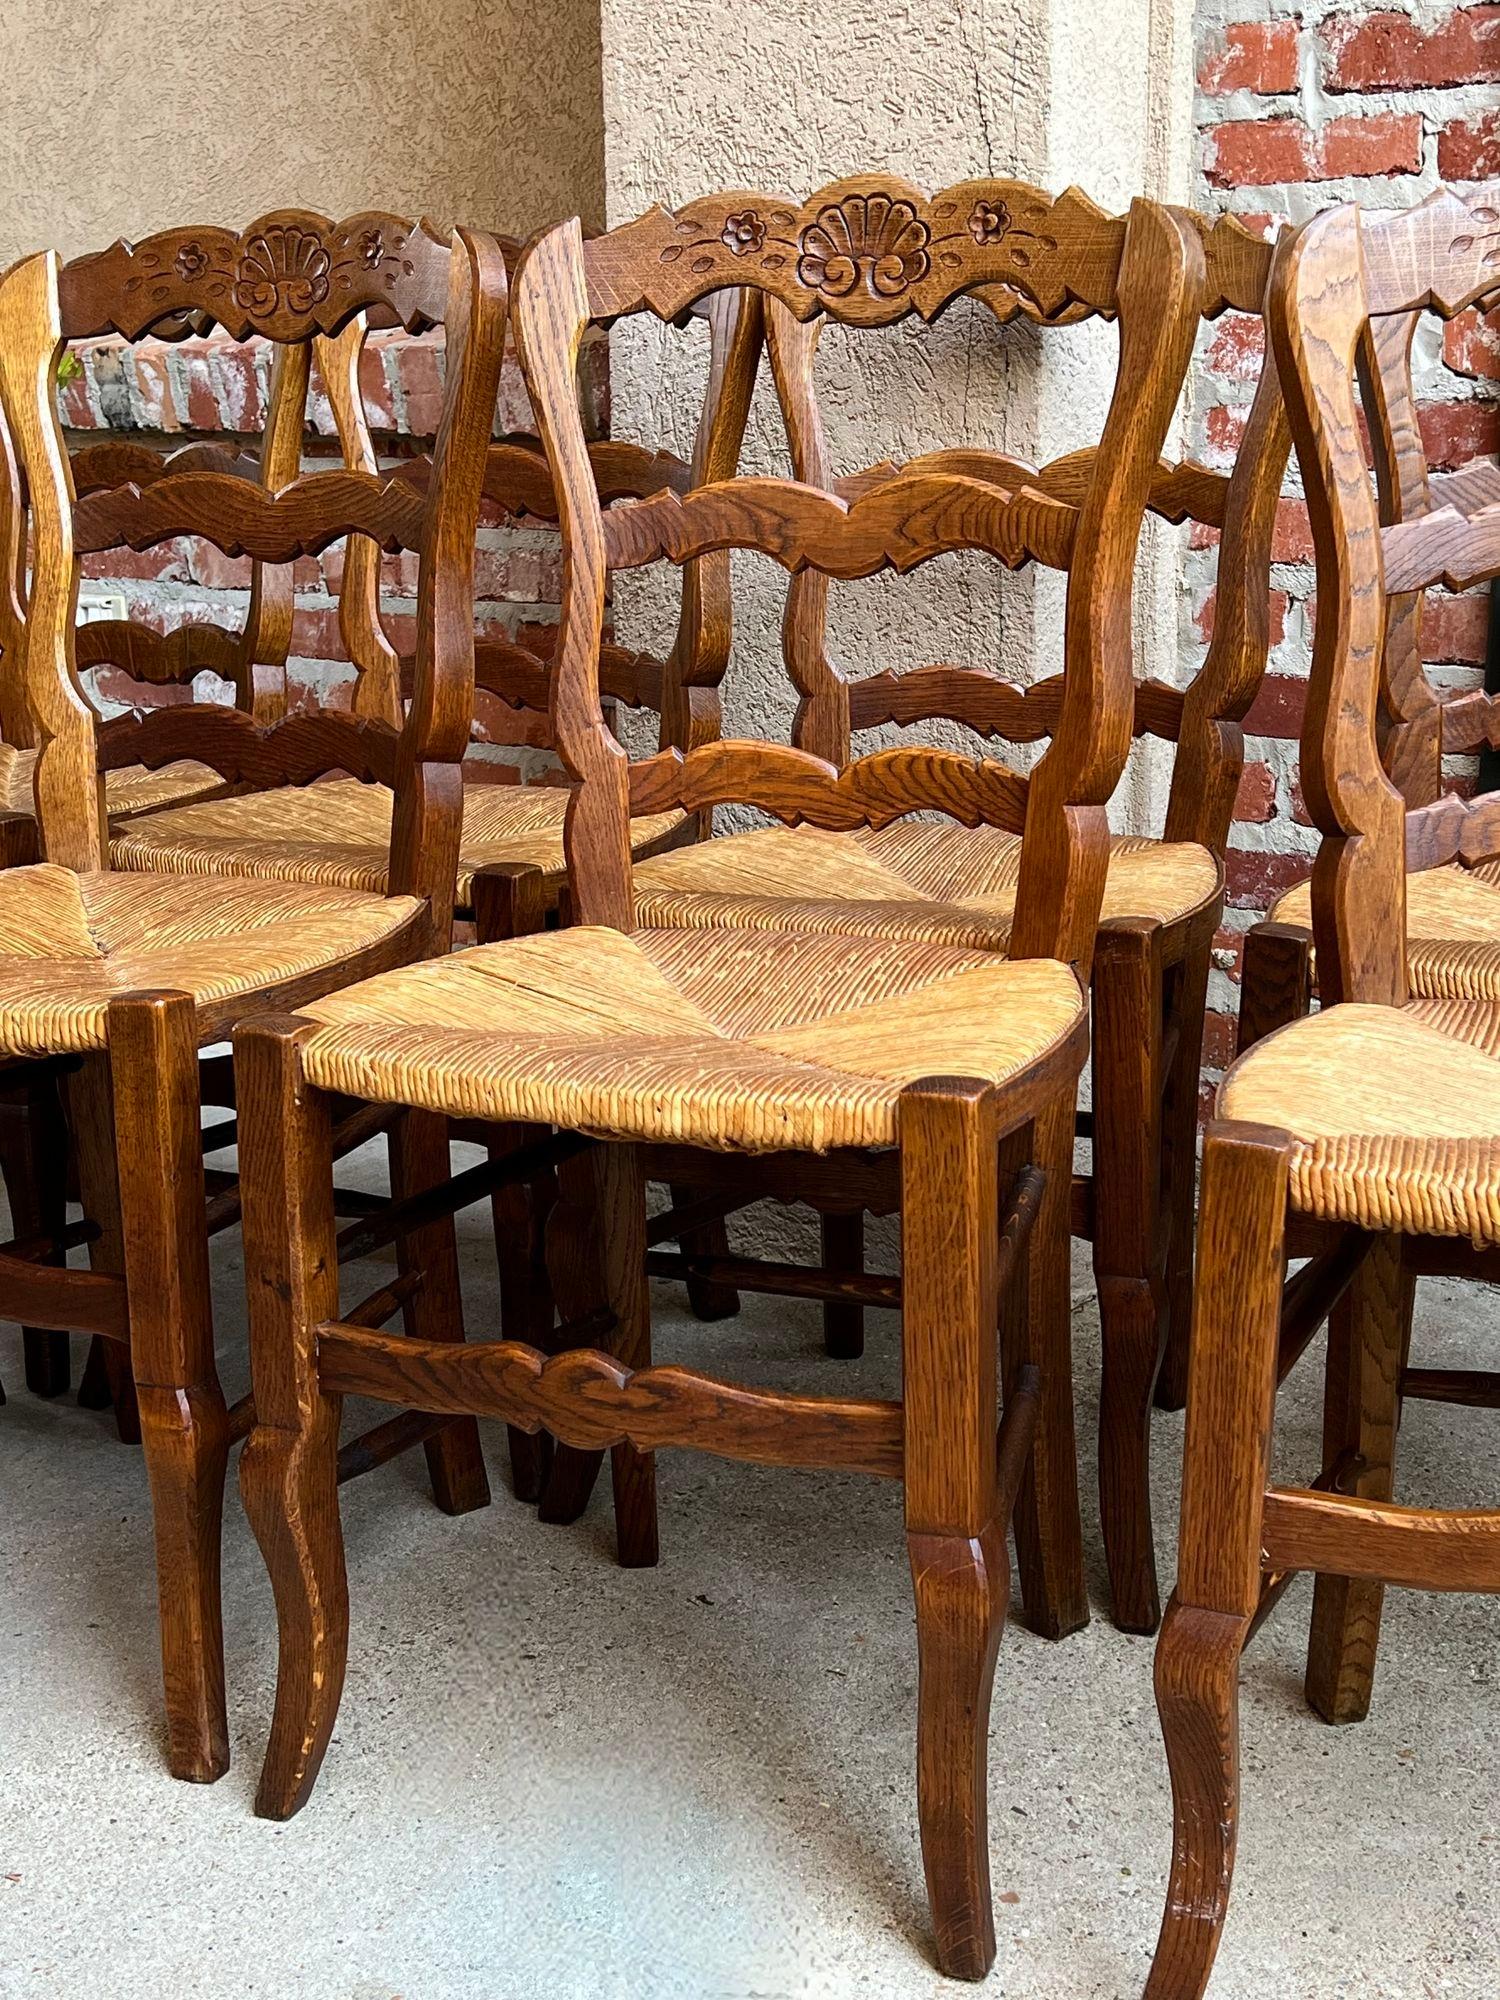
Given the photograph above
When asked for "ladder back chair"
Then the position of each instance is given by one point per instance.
(955, 1067)
(511, 872)
(1345, 1135)
(1452, 844)
(956, 884)
(127, 976)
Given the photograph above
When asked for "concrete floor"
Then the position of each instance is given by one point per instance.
(553, 1780)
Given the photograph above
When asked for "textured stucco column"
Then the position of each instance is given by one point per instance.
(788, 94)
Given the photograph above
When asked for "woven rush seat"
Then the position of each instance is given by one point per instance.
(1395, 1113)
(132, 790)
(728, 1039)
(937, 883)
(338, 834)
(1452, 929)
(69, 944)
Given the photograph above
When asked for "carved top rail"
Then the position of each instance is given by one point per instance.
(288, 275)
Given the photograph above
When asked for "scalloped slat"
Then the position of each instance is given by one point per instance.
(160, 659)
(897, 525)
(981, 701)
(240, 518)
(798, 788)
(294, 751)
(1445, 547)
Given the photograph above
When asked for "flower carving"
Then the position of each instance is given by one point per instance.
(989, 221)
(191, 261)
(285, 268)
(868, 238)
(743, 233)
(371, 248)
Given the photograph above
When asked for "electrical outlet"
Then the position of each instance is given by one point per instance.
(96, 605)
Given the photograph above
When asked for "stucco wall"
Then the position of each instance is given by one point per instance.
(129, 115)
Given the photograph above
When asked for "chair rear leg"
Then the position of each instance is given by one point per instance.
(1226, 1463)
(1186, 1011)
(107, 1376)
(184, 1424)
(844, 1253)
(955, 1532)
(709, 1301)
(527, 1311)
(420, 1159)
(1368, 1334)
(34, 1161)
(1036, 1331)
(1128, 991)
(289, 1466)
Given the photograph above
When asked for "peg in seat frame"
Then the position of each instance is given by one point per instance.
(960, 1066)
(1364, 1136)
(1150, 971)
(126, 977)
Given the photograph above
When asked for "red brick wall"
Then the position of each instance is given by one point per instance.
(1299, 106)
(170, 393)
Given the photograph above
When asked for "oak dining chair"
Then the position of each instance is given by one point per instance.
(950, 1069)
(954, 883)
(1344, 1137)
(125, 977)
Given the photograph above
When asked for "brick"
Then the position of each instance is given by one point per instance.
(166, 564)
(242, 386)
(1204, 619)
(1469, 149)
(1455, 630)
(1277, 708)
(194, 365)
(1456, 432)
(1238, 347)
(1471, 344)
(1256, 798)
(1389, 51)
(418, 368)
(1224, 426)
(213, 570)
(1219, 1034)
(152, 405)
(1292, 538)
(1251, 55)
(1260, 152)
(1255, 876)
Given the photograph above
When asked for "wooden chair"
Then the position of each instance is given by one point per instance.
(1348, 1135)
(948, 1071)
(1452, 846)
(252, 659)
(128, 976)
(956, 884)
(511, 872)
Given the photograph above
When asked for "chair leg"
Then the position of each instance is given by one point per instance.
(421, 1158)
(1036, 1330)
(289, 1466)
(1368, 1335)
(526, 1306)
(34, 1161)
(107, 1376)
(1231, 1403)
(844, 1252)
(955, 1535)
(184, 1424)
(1128, 1261)
(710, 1239)
(596, 1248)
(1275, 980)
(1187, 1009)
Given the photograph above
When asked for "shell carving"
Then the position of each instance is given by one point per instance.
(869, 239)
(285, 268)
